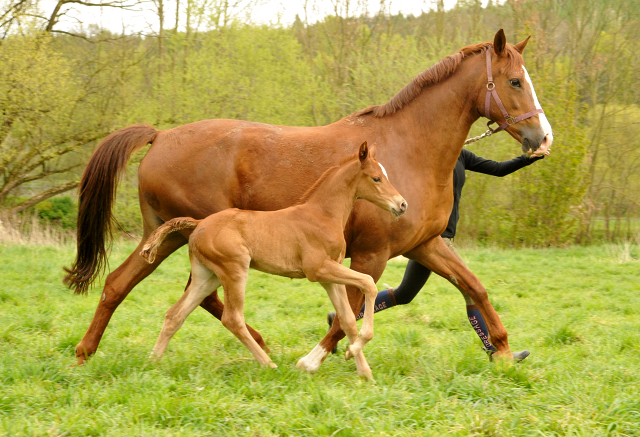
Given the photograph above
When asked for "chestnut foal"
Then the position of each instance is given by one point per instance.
(305, 240)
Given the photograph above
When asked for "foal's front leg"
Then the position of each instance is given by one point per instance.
(338, 295)
(332, 271)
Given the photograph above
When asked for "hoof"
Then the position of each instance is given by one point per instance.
(349, 353)
(272, 365)
(312, 362)
(330, 317)
(367, 376)
(516, 356)
(302, 365)
(154, 358)
(519, 356)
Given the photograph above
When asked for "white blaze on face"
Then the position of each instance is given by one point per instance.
(383, 170)
(546, 127)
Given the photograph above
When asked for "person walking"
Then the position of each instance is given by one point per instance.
(416, 275)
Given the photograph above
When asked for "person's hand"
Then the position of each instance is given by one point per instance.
(540, 154)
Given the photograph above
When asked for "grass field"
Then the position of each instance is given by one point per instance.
(576, 309)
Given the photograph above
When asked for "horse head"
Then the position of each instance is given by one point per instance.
(508, 97)
(373, 183)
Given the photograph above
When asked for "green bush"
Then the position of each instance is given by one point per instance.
(59, 210)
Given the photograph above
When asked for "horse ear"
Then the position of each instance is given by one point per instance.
(372, 150)
(499, 42)
(364, 151)
(521, 45)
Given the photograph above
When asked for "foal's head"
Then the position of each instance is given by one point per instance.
(373, 184)
(515, 91)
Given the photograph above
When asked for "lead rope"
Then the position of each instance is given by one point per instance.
(488, 133)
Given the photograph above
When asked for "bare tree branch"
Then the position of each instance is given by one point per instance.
(42, 196)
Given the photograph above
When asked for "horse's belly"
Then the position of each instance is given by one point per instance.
(288, 271)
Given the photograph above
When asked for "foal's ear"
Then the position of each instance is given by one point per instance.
(364, 151)
(521, 45)
(499, 42)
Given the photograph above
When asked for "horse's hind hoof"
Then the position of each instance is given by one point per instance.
(517, 356)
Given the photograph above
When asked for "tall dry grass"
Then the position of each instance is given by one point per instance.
(29, 229)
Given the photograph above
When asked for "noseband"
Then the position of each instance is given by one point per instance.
(491, 91)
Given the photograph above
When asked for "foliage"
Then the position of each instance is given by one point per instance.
(579, 322)
(60, 210)
(39, 125)
(60, 94)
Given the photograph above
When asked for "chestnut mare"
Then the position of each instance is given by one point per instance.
(204, 167)
(305, 240)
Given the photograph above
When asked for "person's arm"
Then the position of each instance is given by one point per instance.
(478, 164)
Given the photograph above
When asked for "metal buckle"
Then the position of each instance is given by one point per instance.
(510, 120)
(491, 86)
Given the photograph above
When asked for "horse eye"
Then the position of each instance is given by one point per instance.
(515, 83)
(376, 179)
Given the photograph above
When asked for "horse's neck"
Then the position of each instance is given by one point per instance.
(336, 194)
(440, 119)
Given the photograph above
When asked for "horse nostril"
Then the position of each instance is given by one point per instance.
(403, 206)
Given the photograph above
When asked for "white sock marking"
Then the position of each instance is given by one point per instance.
(312, 362)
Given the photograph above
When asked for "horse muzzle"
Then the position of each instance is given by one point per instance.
(400, 208)
(536, 144)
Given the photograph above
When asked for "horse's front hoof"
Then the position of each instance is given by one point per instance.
(349, 353)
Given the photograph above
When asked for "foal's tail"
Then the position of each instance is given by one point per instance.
(97, 194)
(156, 238)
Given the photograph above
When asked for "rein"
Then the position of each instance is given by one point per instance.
(491, 92)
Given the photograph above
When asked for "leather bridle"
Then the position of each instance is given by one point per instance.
(491, 91)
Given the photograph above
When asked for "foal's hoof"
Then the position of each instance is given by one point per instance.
(349, 353)
(330, 317)
(272, 365)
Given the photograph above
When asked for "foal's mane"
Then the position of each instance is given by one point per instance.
(325, 176)
(435, 74)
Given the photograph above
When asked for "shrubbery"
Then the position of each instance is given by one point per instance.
(59, 210)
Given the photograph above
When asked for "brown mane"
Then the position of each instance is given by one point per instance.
(435, 74)
(324, 176)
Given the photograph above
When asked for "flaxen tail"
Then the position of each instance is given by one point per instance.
(150, 249)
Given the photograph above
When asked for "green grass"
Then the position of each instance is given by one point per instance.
(575, 309)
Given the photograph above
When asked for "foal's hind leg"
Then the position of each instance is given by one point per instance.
(215, 307)
(116, 288)
(234, 280)
(204, 281)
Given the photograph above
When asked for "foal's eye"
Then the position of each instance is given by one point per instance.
(376, 179)
(515, 83)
